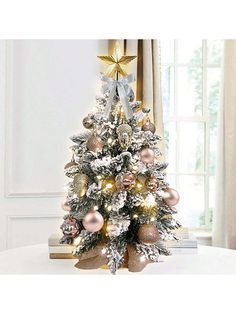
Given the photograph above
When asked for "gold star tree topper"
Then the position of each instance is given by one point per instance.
(116, 62)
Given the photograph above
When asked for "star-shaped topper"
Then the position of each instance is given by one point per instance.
(116, 62)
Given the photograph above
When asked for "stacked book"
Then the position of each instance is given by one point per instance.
(187, 244)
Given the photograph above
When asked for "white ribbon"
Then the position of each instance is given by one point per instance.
(123, 91)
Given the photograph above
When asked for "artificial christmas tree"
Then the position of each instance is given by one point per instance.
(119, 204)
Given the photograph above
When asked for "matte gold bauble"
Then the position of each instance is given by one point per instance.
(88, 122)
(152, 184)
(171, 197)
(147, 155)
(65, 205)
(80, 184)
(125, 181)
(95, 144)
(148, 234)
(149, 126)
(93, 221)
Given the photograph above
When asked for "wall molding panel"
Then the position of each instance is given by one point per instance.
(46, 88)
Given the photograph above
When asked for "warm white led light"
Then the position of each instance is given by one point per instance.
(104, 250)
(77, 241)
(142, 258)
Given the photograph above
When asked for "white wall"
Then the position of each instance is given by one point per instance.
(46, 88)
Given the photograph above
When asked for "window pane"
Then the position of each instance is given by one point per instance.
(167, 82)
(189, 91)
(213, 98)
(170, 145)
(190, 51)
(213, 91)
(191, 147)
(214, 51)
(191, 205)
(167, 51)
(171, 179)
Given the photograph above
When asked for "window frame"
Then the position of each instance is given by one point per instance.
(204, 118)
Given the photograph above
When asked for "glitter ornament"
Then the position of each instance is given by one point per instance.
(95, 144)
(125, 181)
(93, 221)
(171, 197)
(88, 122)
(80, 184)
(148, 234)
(147, 155)
(65, 205)
(152, 184)
(124, 132)
(70, 227)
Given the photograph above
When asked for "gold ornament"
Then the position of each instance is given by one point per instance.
(148, 234)
(80, 184)
(124, 132)
(108, 185)
(95, 144)
(125, 181)
(88, 122)
(116, 62)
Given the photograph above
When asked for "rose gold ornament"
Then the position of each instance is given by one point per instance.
(95, 144)
(148, 234)
(149, 126)
(88, 122)
(171, 197)
(147, 155)
(93, 221)
(65, 205)
(70, 164)
(152, 184)
(70, 227)
(125, 181)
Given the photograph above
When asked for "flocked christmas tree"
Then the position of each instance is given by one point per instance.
(120, 207)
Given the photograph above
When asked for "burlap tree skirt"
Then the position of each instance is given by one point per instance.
(96, 258)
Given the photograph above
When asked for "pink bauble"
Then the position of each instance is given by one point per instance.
(171, 197)
(93, 221)
(147, 155)
(65, 205)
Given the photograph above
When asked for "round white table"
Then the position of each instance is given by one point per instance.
(35, 260)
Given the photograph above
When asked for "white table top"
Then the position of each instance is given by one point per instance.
(35, 260)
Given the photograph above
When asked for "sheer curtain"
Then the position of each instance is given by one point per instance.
(148, 79)
(224, 224)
